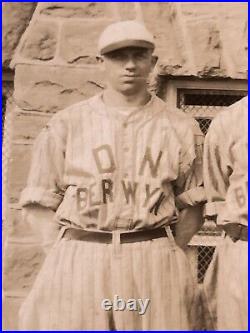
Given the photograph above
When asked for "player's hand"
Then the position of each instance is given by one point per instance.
(42, 222)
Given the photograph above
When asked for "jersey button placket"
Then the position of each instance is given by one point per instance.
(125, 149)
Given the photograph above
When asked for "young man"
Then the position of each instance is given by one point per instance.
(226, 185)
(117, 169)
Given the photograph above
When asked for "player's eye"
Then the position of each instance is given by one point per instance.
(117, 56)
(140, 55)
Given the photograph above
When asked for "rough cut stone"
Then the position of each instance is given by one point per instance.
(213, 9)
(21, 265)
(40, 42)
(50, 89)
(19, 165)
(79, 40)
(11, 306)
(15, 18)
(165, 29)
(27, 125)
(199, 40)
(19, 228)
(206, 47)
(126, 10)
(73, 9)
(236, 40)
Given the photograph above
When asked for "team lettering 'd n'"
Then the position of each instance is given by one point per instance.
(102, 192)
(153, 166)
(104, 159)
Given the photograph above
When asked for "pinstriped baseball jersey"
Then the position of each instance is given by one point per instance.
(226, 183)
(226, 165)
(113, 168)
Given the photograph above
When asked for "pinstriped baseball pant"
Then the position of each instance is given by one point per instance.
(226, 286)
(77, 276)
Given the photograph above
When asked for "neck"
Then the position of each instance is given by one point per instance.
(116, 99)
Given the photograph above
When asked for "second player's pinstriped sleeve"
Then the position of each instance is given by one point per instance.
(216, 170)
(45, 180)
(188, 187)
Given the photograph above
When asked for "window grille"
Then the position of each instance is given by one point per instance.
(203, 105)
(205, 255)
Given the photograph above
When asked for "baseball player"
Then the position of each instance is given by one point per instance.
(226, 185)
(111, 174)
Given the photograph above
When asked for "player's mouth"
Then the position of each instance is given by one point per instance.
(130, 77)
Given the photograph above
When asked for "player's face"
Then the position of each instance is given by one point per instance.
(127, 69)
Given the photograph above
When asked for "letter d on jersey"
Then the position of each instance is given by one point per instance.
(104, 159)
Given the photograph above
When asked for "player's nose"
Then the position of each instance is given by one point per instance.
(130, 63)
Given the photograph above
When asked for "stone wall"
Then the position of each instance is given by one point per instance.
(15, 18)
(55, 66)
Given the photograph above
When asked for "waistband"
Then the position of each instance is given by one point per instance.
(107, 237)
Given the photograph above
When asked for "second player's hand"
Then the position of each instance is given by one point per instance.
(190, 221)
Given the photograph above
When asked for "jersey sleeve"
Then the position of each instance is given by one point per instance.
(216, 169)
(188, 187)
(45, 180)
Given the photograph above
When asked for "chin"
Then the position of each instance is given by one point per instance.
(129, 89)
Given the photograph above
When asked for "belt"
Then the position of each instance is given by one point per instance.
(107, 237)
(236, 231)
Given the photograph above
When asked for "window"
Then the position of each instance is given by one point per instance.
(203, 100)
(204, 104)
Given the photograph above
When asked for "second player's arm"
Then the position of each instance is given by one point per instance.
(188, 188)
(190, 222)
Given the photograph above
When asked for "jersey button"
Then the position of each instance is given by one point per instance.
(126, 149)
(125, 125)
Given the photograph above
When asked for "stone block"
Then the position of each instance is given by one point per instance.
(20, 267)
(11, 306)
(212, 9)
(73, 9)
(18, 228)
(27, 125)
(235, 44)
(15, 18)
(19, 165)
(78, 44)
(163, 29)
(126, 10)
(206, 47)
(49, 89)
(40, 41)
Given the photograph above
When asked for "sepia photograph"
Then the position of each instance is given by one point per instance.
(124, 166)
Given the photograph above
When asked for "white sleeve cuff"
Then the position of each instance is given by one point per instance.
(41, 196)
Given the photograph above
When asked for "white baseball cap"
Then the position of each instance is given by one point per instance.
(124, 34)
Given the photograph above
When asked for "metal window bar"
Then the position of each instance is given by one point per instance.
(203, 105)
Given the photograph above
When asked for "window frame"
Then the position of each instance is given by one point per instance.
(171, 86)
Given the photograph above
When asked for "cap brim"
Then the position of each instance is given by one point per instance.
(127, 43)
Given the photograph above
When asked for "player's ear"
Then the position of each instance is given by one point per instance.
(154, 61)
(100, 61)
